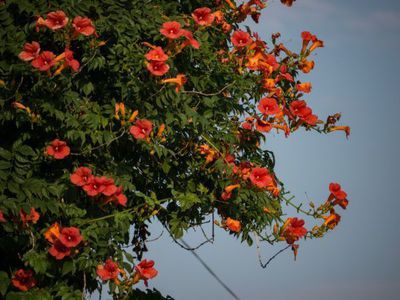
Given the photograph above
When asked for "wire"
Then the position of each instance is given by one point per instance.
(211, 271)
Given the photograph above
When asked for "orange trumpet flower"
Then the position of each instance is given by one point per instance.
(346, 129)
(231, 4)
(230, 188)
(306, 65)
(179, 81)
(332, 220)
(133, 116)
(161, 130)
(52, 233)
(316, 44)
(119, 110)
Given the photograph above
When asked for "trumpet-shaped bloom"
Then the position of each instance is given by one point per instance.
(171, 30)
(268, 106)
(145, 269)
(294, 230)
(190, 40)
(261, 177)
(332, 220)
(44, 61)
(23, 280)
(70, 60)
(95, 186)
(346, 129)
(33, 217)
(179, 81)
(241, 39)
(40, 23)
(156, 54)
(233, 225)
(70, 237)
(83, 25)
(141, 129)
(56, 20)
(82, 176)
(59, 251)
(58, 149)
(53, 233)
(299, 108)
(203, 16)
(338, 194)
(306, 65)
(304, 87)
(30, 51)
(157, 68)
(118, 197)
(108, 185)
(108, 271)
(263, 126)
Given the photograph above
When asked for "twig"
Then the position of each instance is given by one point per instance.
(259, 252)
(208, 94)
(182, 245)
(298, 208)
(84, 287)
(85, 64)
(205, 235)
(158, 92)
(16, 90)
(155, 239)
(101, 145)
(33, 241)
(108, 216)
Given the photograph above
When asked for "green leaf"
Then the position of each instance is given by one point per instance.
(38, 261)
(4, 282)
(4, 165)
(88, 88)
(68, 267)
(7, 155)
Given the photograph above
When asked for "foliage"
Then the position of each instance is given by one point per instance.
(199, 155)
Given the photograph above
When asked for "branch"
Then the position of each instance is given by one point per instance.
(16, 90)
(298, 208)
(85, 64)
(209, 94)
(155, 239)
(185, 246)
(272, 257)
(102, 145)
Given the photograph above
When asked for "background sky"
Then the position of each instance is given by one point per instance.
(356, 74)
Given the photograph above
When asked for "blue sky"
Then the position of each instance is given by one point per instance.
(356, 74)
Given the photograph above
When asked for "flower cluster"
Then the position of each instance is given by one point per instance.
(45, 60)
(237, 182)
(293, 229)
(102, 187)
(23, 280)
(63, 240)
(110, 270)
(242, 174)
(32, 217)
(336, 197)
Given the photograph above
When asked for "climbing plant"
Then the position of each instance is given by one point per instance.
(117, 113)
